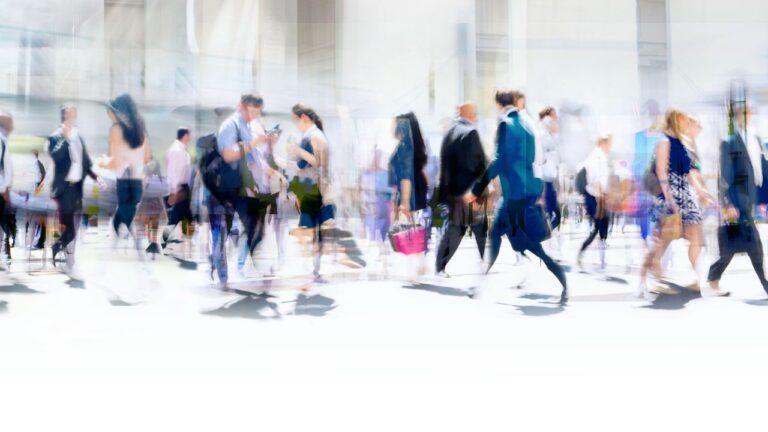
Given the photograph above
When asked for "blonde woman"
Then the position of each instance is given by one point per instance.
(674, 166)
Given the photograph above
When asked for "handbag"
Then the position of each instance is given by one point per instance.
(651, 180)
(739, 237)
(671, 227)
(408, 239)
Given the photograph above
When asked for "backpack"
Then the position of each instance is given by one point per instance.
(218, 176)
(580, 183)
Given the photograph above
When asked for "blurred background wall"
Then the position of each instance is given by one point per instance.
(361, 61)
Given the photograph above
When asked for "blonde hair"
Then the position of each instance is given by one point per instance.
(672, 122)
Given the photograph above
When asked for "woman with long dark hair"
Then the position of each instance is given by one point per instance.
(311, 190)
(128, 152)
(406, 171)
(406, 166)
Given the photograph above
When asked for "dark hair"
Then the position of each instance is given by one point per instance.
(181, 132)
(251, 99)
(407, 129)
(546, 112)
(131, 123)
(507, 96)
(303, 110)
(63, 108)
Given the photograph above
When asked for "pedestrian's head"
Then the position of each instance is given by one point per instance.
(183, 134)
(694, 127)
(35, 153)
(507, 97)
(605, 142)
(6, 122)
(408, 130)
(123, 112)
(68, 114)
(251, 105)
(676, 123)
(548, 117)
(305, 117)
(743, 116)
(468, 111)
(520, 101)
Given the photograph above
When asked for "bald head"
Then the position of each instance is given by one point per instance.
(468, 111)
(6, 122)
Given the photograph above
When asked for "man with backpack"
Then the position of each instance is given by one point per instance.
(220, 173)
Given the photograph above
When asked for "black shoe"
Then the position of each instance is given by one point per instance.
(564, 298)
(153, 248)
(55, 249)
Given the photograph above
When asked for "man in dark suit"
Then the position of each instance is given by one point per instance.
(517, 216)
(741, 175)
(71, 165)
(462, 161)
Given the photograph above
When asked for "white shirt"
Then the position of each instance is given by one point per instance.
(549, 147)
(75, 173)
(6, 171)
(538, 157)
(178, 163)
(755, 150)
(598, 172)
(257, 162)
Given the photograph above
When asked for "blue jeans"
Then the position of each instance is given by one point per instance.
(128, 197)
(221, 221)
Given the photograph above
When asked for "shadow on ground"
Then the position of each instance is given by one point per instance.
(248, 306)
(18, 288)
(438, 289)
(674, 301)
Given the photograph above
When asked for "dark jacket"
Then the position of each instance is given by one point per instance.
(462, 161)
(737, 177)
(513, 163)
(58, 148)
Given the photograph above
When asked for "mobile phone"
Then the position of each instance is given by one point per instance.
(275, 130)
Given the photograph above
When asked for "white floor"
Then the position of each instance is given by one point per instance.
(155, 348)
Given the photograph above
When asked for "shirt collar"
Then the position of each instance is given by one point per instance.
(508, 111)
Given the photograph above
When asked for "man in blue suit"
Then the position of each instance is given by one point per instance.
(517, 216)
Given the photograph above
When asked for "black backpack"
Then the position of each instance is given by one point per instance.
(219, 177)
(580, 183)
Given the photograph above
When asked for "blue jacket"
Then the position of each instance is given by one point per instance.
(513, 163)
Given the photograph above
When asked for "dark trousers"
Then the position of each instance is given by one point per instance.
(252, 213)
(600, 221)
(70, 203)
(460, 218)
(552, 207)
(510, 221)
(755, 254)
(128, 198)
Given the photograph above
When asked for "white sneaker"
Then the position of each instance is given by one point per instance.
(708, 291)
(442, 274)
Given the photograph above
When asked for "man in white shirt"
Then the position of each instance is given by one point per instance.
(178, 163)
(6, 177)
(71, 164)
(550, 167)
(598, 170)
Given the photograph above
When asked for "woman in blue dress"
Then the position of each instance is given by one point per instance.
(674, 169)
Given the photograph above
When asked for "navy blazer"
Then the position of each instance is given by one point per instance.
(737, 177)
(513, 163)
